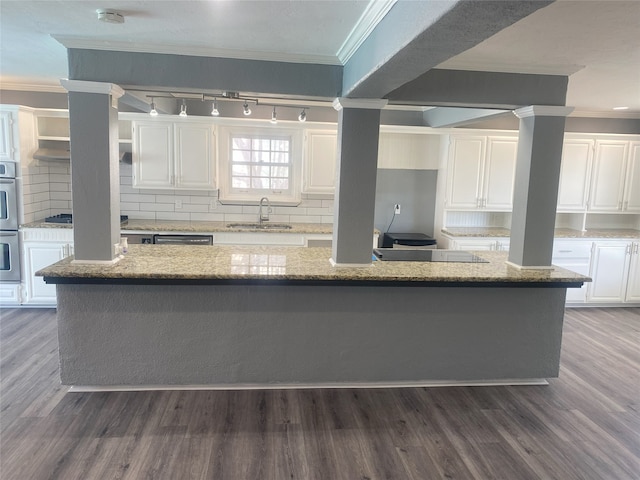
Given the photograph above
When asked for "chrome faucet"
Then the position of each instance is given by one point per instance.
(264, 217)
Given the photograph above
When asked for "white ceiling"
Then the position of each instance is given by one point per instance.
(597, 42)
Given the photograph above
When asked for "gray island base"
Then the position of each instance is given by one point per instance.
(274, 330)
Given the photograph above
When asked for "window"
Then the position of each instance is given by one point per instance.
(260, 162)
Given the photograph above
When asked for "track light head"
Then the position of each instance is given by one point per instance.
(245, 109)
(214, 109)
(274, 116)
(153, 112)
(183, 108)
(303, 115)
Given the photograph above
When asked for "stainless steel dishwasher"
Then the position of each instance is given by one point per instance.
(162, 239)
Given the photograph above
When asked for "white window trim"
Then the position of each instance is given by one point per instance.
(226, 193)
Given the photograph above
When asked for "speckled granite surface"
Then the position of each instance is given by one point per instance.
(133, 225)
(294, 264)
(559, 232)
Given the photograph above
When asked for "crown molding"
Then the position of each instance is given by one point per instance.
(92, 87)
(543, 111)
(605, 114)
(88, 44)
(375, 11)
(363, 103)
(24, 87)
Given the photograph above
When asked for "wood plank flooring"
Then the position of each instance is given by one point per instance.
(584, 425)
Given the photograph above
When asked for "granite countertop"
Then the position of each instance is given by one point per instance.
(134, 225)
(251, 264)
(558, 233)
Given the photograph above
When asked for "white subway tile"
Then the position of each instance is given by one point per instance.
(157, 207)
(60, 178)
(59, 205)
(172, 216)
(190, 207)
(317, 211)
(59, 187)
(207, 217)
(327, 219)
(137, 197)
(229, 209)
(142, 215)
(289, 211)
(128, 189)
(238, 217)
(311, 203)
(60, 196)
(280, 218)
(199, 200)
(41, 197)
(40, 178)
(129, 206)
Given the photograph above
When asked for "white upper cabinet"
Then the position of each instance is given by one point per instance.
(173, 155)
(631, 200)
(320, 161)
(194, 154)
(152, 154)
(575, 173)
(481, 173)
(608, 177)
(499, 173)
(7, 149)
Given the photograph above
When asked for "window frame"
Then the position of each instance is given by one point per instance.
(230, 195)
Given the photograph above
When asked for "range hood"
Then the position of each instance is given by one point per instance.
(59, 154)
(52, 154)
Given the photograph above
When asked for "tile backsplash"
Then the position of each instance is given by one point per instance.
(46, 190)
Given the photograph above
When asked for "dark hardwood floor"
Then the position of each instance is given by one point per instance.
(584, 425)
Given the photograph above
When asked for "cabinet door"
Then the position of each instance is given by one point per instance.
(194, 157)
(36, 257)
(575, 170)
(499, 173)
(320, 162)
(466, 162)
(608, 176)
(633, 284)
(7, 151)
(632, 186)
(152, 155)
(609, 269)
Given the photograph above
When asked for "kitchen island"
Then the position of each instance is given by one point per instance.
(233, 317)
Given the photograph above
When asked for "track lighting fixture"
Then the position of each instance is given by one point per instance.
(153, 112)
(303, 115)
(245, 109)
(274, 116)
(183, 108)
(214, 110)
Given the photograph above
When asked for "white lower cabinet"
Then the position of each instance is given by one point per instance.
(574, 255)
(614, 269)
(43, 247)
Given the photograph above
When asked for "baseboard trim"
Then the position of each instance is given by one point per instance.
(301, 386)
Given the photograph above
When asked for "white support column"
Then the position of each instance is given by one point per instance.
(93, 118)
(536, 185)
(358, 132)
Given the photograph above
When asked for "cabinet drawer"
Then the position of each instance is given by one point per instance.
(571, 250)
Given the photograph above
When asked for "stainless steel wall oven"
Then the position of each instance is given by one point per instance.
(9, 243)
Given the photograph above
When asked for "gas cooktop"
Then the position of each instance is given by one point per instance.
(405, 255)
(68, 218)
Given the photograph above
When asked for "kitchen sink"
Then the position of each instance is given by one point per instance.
(260, 226)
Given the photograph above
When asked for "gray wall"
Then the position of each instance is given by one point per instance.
(415, 191)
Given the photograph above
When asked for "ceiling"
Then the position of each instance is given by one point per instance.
(596, 42)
